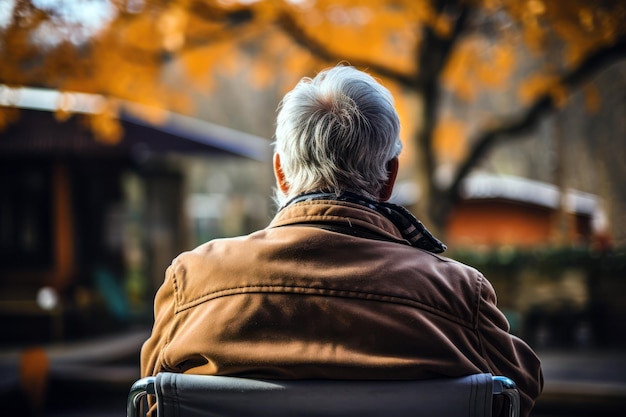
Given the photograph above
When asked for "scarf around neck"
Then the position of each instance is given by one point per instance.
(412, 230)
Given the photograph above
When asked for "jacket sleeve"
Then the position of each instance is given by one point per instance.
(164, 307)
(506, 354)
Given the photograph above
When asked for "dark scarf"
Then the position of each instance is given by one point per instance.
(412, 230)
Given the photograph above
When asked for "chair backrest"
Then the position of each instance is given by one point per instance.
(197, 395)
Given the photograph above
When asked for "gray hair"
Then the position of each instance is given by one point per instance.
(336, 132)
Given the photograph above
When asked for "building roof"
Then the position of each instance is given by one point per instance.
(486, 186)
(168, 132)
(489, 186)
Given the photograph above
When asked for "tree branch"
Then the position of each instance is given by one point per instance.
(529, 119)
(289, 25)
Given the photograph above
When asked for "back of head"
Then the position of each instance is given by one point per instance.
(335, 133)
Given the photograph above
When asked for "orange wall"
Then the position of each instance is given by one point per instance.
(498, 222)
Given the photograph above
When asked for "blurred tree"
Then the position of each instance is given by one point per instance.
(519, 59)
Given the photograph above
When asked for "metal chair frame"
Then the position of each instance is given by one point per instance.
(501, 385)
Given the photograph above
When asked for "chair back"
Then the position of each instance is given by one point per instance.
(199, 395)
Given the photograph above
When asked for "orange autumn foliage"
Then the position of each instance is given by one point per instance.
(447, 139)
(272, 43)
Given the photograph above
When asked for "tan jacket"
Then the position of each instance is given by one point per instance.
(299, 301)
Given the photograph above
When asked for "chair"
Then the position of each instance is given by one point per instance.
(184, 395)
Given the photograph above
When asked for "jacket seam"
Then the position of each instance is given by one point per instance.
(327, 292)
(481, 346)
(478, 283)
(168, 333)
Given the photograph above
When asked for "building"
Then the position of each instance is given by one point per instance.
(87, 228)
(498, 210)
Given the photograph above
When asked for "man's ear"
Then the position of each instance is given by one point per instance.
(392, 173)
(282, 183)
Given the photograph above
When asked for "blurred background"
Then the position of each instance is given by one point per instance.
(132, 130)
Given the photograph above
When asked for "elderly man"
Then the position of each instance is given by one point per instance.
(341, 284)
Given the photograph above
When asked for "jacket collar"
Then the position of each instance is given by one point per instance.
(410, 228)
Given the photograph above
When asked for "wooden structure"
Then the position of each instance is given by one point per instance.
(88, 228)
(500, 211)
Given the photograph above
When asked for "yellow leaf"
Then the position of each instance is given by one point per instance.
(141, 33)
(456, 75)
(262, 76)
(495, 66)
(535, 86)
(153, 115)
(449, 140)
(536, 7)
(172, 25)
(105, 124)
(195, 62)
